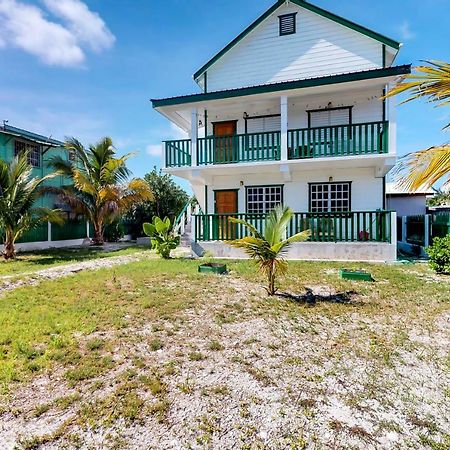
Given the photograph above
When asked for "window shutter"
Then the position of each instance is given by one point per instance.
(287, 24)
(263, 124)
(328, 118)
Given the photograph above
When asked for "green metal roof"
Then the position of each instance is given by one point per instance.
(284, 86)
(24, 134)
(322, 12)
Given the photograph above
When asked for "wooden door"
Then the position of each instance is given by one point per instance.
(224, 149)
(226, 203)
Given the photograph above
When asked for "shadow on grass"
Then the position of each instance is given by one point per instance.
(345, 298)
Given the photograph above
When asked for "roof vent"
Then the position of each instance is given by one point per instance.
(288, 24)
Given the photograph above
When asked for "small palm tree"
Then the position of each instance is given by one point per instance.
(101, 191)
(425, 167)
(18, 195)
(268, 248)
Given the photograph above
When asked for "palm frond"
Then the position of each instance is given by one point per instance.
(424, 168)
(432, 82)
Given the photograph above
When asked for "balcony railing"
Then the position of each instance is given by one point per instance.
(178, 153)
(343, 140)
(321, 142)
(355, 226)
(240, 148)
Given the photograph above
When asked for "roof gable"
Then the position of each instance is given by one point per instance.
(303, 4)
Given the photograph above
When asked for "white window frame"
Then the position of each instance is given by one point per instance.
(268, 198)
(33, 149)
(321, 197)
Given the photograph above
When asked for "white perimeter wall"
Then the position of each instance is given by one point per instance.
(367, 191)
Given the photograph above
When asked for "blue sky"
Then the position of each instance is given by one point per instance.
(88, 68)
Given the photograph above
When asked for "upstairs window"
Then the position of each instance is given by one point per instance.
(33, 150)
(330, 117)
(288, 24)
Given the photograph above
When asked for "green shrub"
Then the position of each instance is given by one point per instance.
(114, 232)
(439, 254)
(162, 238)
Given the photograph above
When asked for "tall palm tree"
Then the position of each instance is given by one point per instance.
(18, 194)
(101, 191)
(426, 167)
(268, 248)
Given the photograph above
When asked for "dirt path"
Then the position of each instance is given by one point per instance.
(11, 282)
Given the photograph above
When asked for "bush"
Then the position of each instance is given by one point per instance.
(162, 238)
(439, 254)
(114, 232)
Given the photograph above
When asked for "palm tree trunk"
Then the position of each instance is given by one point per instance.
(9, 251)
(98, 238)
(271, 279)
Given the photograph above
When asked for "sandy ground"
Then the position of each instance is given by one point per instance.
(251, 381)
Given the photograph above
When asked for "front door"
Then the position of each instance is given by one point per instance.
(226, 204)
(224, 149)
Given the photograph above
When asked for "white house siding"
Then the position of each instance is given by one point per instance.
(366, 191)
(319, 48)
(367, 107)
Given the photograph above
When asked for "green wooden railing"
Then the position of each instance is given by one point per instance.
(354, 226)
(239, 148)
(321, 142)
(343, 140)
(178, 153)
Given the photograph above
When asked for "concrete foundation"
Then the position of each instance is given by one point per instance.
(332, 251)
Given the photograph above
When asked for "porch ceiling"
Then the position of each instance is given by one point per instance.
(178, 110)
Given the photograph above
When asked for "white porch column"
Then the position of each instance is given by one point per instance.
(49, 231)
(391, 117)
(427, 230)
(194, 136)
(87, 229)
(284, 127)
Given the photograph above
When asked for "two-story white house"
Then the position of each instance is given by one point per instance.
(291, 112)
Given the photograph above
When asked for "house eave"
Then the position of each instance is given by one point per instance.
(285, 86)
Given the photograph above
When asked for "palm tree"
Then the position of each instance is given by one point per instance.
(268, 248)
(18, 195)
(426, 167)
(101, 191)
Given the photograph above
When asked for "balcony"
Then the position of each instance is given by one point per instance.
(357, 139)
(357, 226)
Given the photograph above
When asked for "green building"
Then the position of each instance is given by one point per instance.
(41, 150)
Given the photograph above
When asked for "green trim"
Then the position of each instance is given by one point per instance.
(238, 39)
(284, 86)
(322, 12)
(280, 18)
(206, 199)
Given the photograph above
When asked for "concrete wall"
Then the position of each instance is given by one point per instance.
(408, 205)
(339, 251)
(45, 245)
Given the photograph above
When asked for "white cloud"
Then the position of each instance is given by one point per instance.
(27, 27)
(88, 27)
(154, 150)
(406, 32)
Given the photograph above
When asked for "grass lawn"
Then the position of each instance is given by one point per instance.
(152, 354)
(35, 261)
